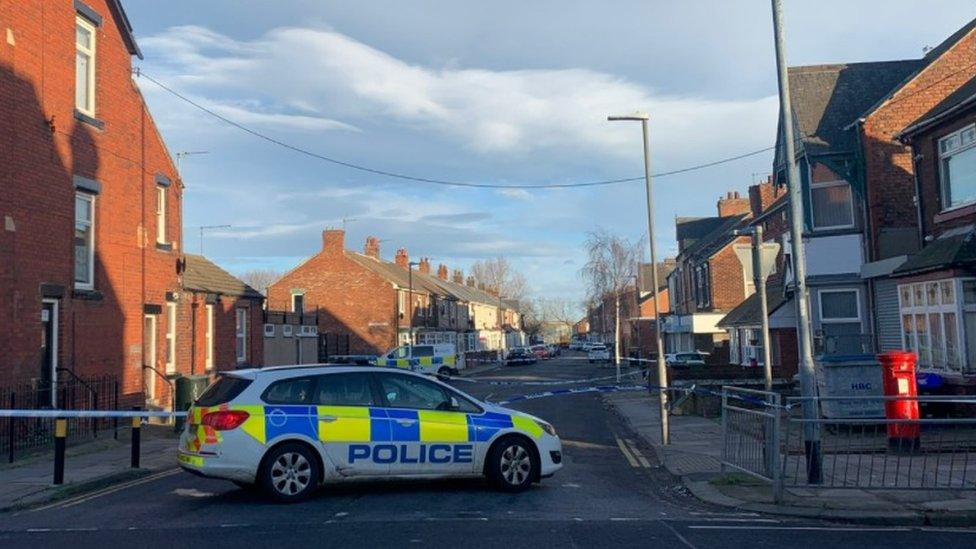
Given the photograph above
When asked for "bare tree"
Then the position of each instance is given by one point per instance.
(610, 267)
(499, 273)
(260, 279)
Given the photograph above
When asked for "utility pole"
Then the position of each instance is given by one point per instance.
(759, 280)
(808, 388)
(662, 372)
(410, 266)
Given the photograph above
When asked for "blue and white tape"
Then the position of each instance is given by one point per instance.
(507, 382)
(574, 391)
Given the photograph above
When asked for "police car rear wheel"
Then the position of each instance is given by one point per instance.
(444, 373)
(290, 473)
(513, 465)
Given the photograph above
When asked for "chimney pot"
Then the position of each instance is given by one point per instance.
(424, 266)
(402, 259)
(442, 271)
(372, 247)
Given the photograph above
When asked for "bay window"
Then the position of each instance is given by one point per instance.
(957, 167)
(930, 320)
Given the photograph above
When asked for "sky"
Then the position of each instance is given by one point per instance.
(502, 92)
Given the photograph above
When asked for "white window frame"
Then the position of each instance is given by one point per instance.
(293, 296)
(824, 184)
(286, 330)
(209, 339)
(91, 199)
(240, 329)
(170, 337)
(943, 155)
(844, 320)
(958, 308)
(82, 21)
(160, 214)
(269, 330)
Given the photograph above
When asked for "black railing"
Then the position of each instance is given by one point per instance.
(70, 392)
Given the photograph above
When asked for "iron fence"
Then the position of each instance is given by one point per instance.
(936, 451)
(751, 433)
(70, 392)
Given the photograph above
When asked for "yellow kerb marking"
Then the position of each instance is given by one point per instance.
(437, 426)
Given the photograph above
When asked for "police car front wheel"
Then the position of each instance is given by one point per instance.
(290, 472)
(513, 464)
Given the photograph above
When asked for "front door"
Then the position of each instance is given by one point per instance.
(351, 425)
(149, 357)
(428, 432)
(47, 382)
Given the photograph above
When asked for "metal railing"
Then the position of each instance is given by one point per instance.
(751, 434)
(71, 392)
(937, 451)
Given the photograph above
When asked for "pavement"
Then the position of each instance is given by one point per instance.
(613, 491)
(694, 456)
(88, 466)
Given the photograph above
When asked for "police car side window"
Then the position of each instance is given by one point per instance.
(296, 390)
(352, 389)
(423, 350)
(415, 393)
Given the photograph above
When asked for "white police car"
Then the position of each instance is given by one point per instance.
(289, 429)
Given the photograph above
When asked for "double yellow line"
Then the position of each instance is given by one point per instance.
(633, 454)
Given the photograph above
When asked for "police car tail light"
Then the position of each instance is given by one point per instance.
(225, 420)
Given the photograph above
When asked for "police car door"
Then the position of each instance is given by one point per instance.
(349, 428)
(428, 432)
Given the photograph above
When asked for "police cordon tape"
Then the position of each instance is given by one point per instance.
(493, 381)
(63, 414)
(621, 388)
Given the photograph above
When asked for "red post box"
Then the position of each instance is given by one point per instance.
(898, 375)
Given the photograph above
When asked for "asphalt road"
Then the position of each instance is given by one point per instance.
(603, 497)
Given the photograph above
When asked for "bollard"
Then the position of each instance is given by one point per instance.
(10, 428)
(60, 432)
(136, 436)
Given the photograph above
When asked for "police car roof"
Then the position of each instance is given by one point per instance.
(252, 373)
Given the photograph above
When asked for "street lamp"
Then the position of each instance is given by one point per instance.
(759, 280)
(662, 373)
(410, 266)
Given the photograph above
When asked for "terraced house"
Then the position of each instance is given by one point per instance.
(90, 213)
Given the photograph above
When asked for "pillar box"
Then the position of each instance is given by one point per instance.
(898, 376)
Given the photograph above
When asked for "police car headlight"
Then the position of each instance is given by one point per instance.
(546, 427)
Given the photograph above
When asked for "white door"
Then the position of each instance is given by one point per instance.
(149, 357)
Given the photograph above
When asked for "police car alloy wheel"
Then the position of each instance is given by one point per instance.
(512, 465)
(444, 373)
(290, 473)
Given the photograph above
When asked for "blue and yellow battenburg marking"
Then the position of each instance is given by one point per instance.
(353, 424)
(407, 363)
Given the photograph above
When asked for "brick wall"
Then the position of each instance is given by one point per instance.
(888, 164)
(348, 298)
(42, 148)
(733, 204)
(726, 274)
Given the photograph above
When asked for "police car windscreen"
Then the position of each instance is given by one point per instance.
(225, 389)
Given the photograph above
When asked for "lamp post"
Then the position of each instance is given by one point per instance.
(410, 266)
(759, 279)
(662, 373)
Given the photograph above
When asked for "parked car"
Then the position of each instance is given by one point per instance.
(554, 350)
(685, 360)
(520, 356)
(598, 352)
(540, 351)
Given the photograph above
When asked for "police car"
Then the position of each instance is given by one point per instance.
(289, 429)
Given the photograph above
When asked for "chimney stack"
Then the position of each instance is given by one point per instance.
(402, 259)
(762, 196)
(459, 276)
(471, 281)
(333, 241)
(733, 204)
(442, 271)
(424, 266)
(372, 247)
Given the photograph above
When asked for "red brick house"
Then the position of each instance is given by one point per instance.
(221, 320)
(936, 287)
(90, 213)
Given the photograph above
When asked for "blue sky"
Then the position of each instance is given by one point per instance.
(496, 92)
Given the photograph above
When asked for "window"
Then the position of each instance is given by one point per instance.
(840, 321)
(422, 351)
(269, 330)
(352, 389)
(84, 240)
(170, 338)
(957, 167)
(401, 303)
(84, 66)
(930, 322)
(296, 390)
(225, 389)
(241, 329)
(298, 303)
(209, 309)
(419, 394)
(286, 330)
(160, 214)
(832, 204)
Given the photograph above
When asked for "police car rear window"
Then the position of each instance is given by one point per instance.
(225, 389)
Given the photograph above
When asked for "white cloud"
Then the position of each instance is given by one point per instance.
(510, 112)
(515, 194)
